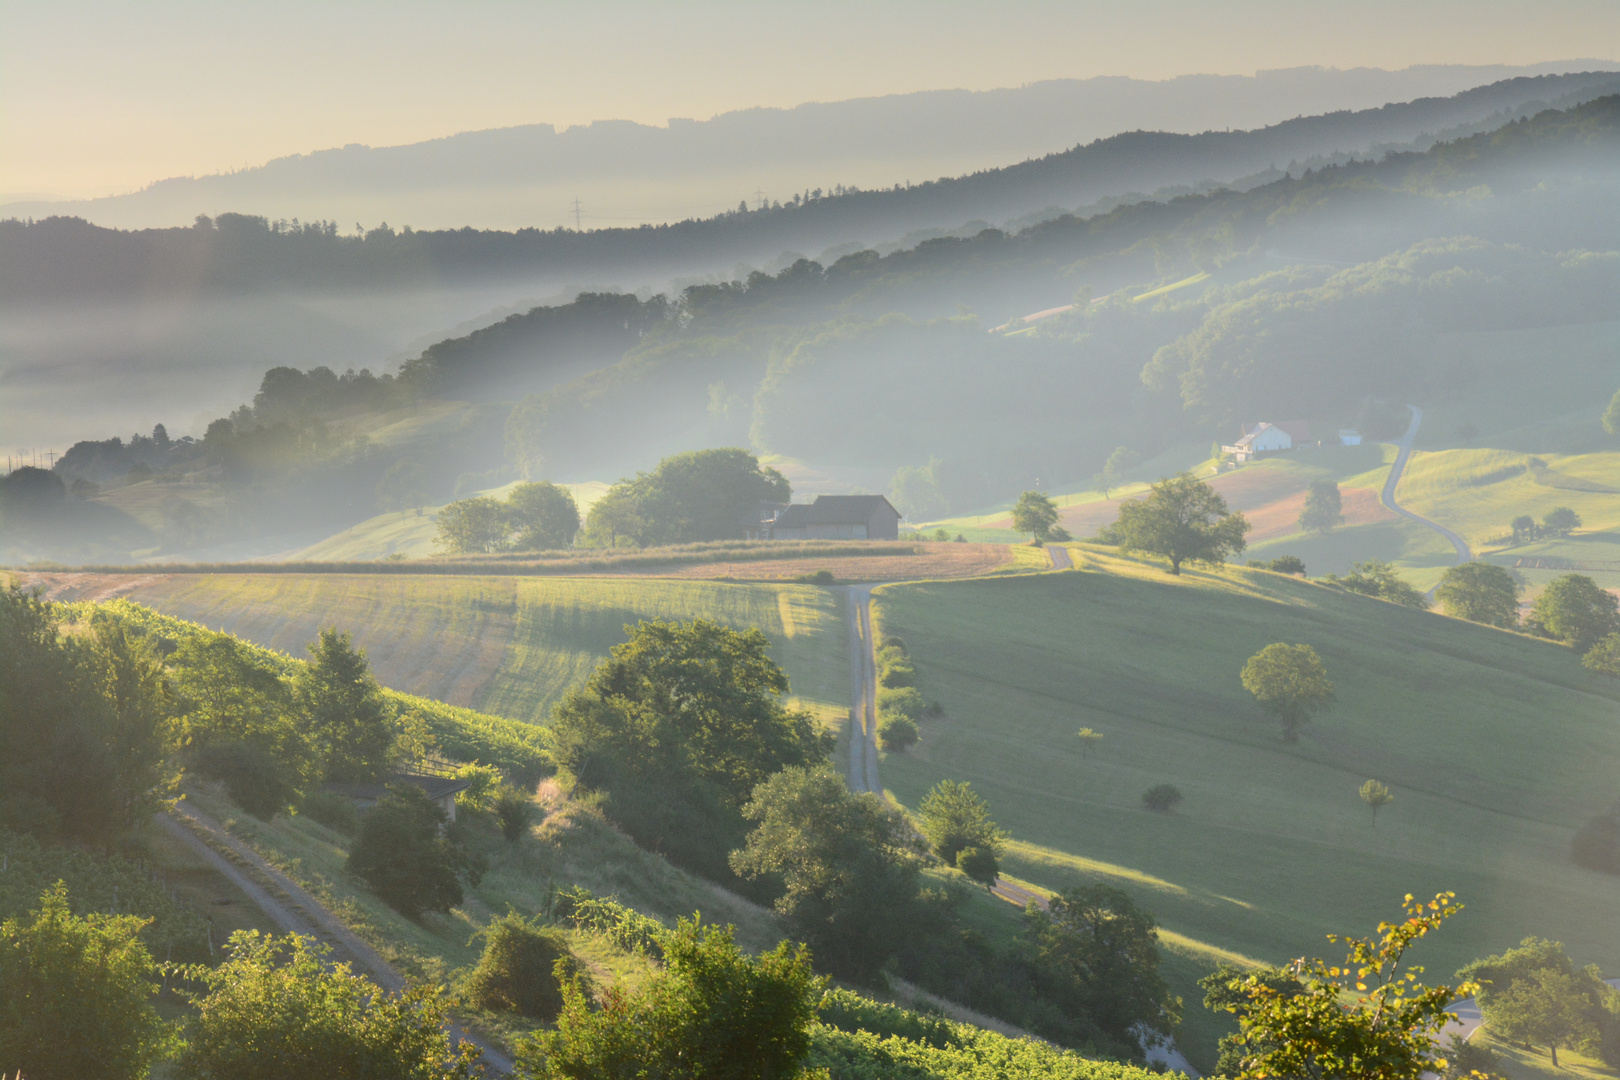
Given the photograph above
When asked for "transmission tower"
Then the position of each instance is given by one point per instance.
(576, 211)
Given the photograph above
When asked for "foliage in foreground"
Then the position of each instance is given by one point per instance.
(76, 995)
(712, 1014)
(1367, 1019)
(279, 1008)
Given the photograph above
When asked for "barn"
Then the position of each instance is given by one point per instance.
(833, 517)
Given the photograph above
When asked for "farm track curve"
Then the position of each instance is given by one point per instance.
(1387, 496)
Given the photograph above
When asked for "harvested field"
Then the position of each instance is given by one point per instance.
(932, 560)
(1281, 518)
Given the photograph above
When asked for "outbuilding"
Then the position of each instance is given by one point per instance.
(833, 517)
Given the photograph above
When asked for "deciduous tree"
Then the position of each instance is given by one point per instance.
(1120, 462)
(1290, 682)
(1535, 994)
(1376, 796)
(473, 526)
(1480, 592)
(1367, 1019)
(1035, 514)
(952, 817)
(1324, 507)
(1561, 521)
(403, 854)
(848, 864)
(542, 517)
(1577, 610)
(1184, 520)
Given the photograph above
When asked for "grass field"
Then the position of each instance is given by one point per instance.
(505, 645)
(1496, 746)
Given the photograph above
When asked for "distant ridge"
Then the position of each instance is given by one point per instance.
(528, 175)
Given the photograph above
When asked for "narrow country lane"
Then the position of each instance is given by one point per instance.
(294, 909)
(1404, 452)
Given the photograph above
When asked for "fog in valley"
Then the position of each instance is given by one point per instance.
(1040, 545)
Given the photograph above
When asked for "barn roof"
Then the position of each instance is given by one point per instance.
(834, 510)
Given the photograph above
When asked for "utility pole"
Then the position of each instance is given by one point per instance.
(576, 211)
(759, 199)
(52, 455)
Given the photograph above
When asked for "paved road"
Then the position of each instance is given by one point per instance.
(292, 907)
(1404, 446)
(1060, 557)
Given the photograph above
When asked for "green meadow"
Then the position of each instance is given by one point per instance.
(508, 645)
(1496, 746)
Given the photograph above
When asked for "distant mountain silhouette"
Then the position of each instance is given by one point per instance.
(529, 175)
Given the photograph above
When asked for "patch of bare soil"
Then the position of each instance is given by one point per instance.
(932, 560)
(1280, 518)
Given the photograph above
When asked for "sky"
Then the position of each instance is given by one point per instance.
(104, 98)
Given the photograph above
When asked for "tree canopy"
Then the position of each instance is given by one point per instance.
(1182, 519)
(1480, 592)
(1577, 610)
(952, 817)
(1290, 682)
(696, 496)
(1324, 507)
(1534, 994)
(1374, 577)
(848, 864)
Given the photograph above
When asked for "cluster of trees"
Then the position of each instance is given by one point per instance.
(534, 517)
(1559, 521)
(689, 498)
(1572, 608)
(1182, 519)
(682, 735)
(900, 704)
(1535, 995)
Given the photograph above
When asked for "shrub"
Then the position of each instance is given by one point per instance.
(1282, 564)
(255, 779)
(900, 673)
(906, 701)
(278, 1008)
(76, 995)
(334, 811)
(517, 971)
(482, 782)
(979, 864)
(1161, 797)
(403, 855)
(819, 577)
(896, 733)
(513, 810)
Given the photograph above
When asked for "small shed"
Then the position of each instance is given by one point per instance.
(836, 517)
(1349, 437)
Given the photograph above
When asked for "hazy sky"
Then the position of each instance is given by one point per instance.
(103, 98)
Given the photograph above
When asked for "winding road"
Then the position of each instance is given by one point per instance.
(1387, 496)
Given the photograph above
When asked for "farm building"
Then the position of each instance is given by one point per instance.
(830, 517)
(1349, 437)
(1268, 438)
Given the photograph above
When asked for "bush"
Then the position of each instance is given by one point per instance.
(899, 673)
(820, 577)
(403, 855)
(254, 778)
(1161, 797)
(76, 995)
(482, 783)
(513, 810)
(896, 733)
(278, 1008)
(1282, 564)
(906, 701)
(334, 811)
(979, 864)
(517, 973)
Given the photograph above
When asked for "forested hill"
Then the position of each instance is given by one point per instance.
(69, 259)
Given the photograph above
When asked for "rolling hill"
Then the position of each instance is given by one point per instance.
(1497, 747)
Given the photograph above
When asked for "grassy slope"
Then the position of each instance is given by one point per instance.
(507, 645)
(1496, 746)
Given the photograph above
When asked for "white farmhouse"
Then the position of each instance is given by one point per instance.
(1266, 438)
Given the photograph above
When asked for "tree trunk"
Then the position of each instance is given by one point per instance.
(1554, 1049)
(1175, 565)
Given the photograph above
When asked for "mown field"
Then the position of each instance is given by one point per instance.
(508, 645)
(1497, 748)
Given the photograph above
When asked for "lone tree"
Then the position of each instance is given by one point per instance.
(1376, 796)
(542, 517)
(1577, 610)
(1480, 592)
(1183, 519)
(1120, 462)
(1035, 514)
(1087, 739)
(954, 818)
(1324, 507)
(1161, 797)
(1524, 528)
(1290, 682)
